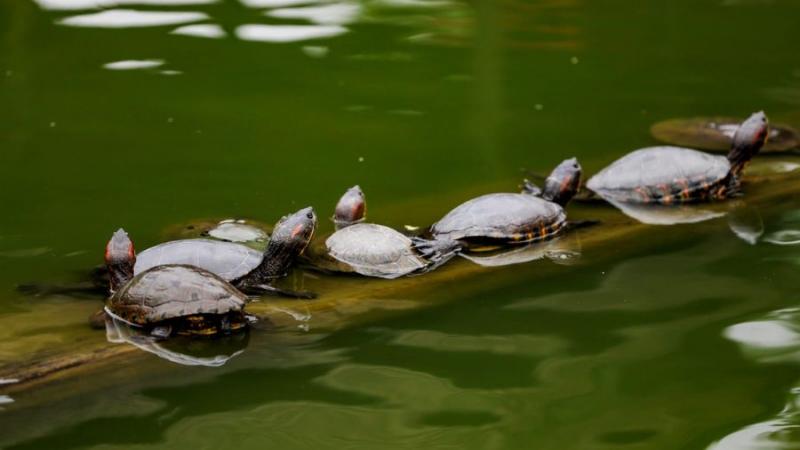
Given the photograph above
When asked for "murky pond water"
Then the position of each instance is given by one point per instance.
(151, 113)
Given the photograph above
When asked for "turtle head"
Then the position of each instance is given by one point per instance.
(563, 182)
(747, 141)
(120, 258)
(294, 232)
(351, 209)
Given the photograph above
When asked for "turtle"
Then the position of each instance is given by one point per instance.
(496, 220)
(367, 249)
(170, 299)
(242, 231)
(671, 175)
(716, 134)
(245, 268)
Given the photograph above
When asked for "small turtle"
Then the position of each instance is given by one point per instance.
(366, 248)
(670, 175)
(241, 231)
(716, 134)
(170, 298)
(495, 220)
(247, 269)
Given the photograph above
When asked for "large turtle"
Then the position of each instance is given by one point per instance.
(247, 269)
(170, 298)
(494, 220)
(716, 134)
(670, 175)
(366, 248)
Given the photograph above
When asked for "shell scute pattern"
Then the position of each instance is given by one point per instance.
(228, 260)
(153, 295)
(505, 216)
(663, 174)
(374, 250)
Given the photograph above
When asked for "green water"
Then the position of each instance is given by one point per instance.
(678, 337)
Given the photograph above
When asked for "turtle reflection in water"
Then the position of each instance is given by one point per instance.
(170, 299)
(716, 134)
(180, 350)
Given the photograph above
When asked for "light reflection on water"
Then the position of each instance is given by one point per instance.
(94, 4)
(128, 18)
(773, 339)
(287, 33)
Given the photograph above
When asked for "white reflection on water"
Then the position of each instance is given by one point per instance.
(5, 400)
(94, 4)
(784, 237)
(666, 215)
(210, 31)
(776, 338)
(119, 332)
(316, 51)
(564, 250)
(133, 64)
(288, 33)
(333, 14)
(128, 18)
(274, 3)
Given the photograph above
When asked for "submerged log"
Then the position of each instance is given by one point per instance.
(348, 300)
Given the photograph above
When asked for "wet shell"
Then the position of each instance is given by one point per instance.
(226, 259)
(669, 168)
(374, 250)
(173, 291)
(506, 216)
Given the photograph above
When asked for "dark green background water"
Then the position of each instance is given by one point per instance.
(424, 104)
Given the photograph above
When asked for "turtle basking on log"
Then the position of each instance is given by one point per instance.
(368, 249)
(496, 220)
(672, 175)
(170, 299)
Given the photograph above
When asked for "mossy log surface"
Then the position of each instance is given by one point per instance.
(348, 300)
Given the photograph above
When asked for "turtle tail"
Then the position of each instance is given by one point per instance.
(436, 251)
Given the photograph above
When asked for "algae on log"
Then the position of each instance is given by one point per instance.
(348, 300)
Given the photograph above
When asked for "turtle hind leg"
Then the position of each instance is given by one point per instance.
(436, 251)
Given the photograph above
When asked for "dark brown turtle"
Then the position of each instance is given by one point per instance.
(170, 298)
(670, 175)
(494, 220)
(716, 134)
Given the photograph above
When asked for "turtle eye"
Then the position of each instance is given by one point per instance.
(310, 216)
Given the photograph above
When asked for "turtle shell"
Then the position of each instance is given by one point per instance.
(716, 134)
(656, 169)
(225, 259)
(244, 231)
(374, 250)
(515, 218)
(174, 291)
